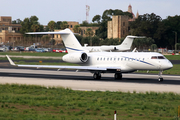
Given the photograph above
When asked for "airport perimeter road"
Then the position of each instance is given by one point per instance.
(84, 80)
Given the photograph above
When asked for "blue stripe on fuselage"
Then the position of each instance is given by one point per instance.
(139, 60)
(73, 49)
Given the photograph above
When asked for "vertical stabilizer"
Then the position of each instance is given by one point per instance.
(70, 41)
(127, 43)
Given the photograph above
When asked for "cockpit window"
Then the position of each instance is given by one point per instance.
(154, 57)
(157, 57)
(161, 57)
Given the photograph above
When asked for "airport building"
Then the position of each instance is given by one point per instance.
(71, 25)
(9, 32)
(119, 26)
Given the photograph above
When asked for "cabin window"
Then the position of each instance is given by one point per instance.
(97, 58)
(101, 58)
(154, 57)
(121, 59)
(118, 59)
(107, 58)
(111, 59)
(104, 58)
(114, 58)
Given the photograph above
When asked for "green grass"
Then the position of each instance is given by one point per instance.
(173, 71)
(23, 102)
(23, 59)
(173, 57)
(33, 54)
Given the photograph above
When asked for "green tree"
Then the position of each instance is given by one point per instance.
(64, 25)
(18, 21)
(89, 33)
(30, 24)
(79, 38)
(84, 23)
(57, 25)
(35, 27)
(96, 18)
(51, 25)
(77, 29)
(95, 41)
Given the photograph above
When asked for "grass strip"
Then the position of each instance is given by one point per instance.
(38, 102)
(34, 54)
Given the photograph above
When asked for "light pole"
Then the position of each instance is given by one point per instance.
(13, 38)
(175, 41)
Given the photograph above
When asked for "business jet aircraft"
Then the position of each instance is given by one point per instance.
(124, 46)
(105, 62)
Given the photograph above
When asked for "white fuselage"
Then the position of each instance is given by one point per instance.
(129, 61)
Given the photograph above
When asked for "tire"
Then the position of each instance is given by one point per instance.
(160, 79)
(117, 76)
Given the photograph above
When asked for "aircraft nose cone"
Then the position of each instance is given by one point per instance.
(169, 65)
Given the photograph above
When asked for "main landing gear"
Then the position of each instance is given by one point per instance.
(160, 79)
(97, 75)
(118, 76)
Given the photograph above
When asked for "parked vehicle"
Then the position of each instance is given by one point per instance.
(3, 48)
(39, 50)
(61, 50)
(31, 49)
(20, 48)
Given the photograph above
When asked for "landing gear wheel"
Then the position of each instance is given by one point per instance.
(160, 79)
(97, 76)
(117, 76)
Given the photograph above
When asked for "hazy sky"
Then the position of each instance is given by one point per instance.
(75, 10)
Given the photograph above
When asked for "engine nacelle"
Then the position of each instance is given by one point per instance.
(76, 57)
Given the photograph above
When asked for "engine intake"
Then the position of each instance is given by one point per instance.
(76, 57)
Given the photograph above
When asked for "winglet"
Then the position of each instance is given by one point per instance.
(10, 61)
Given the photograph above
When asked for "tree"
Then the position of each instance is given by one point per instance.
(96, 18)
(51, 25)
(35, 27)
(30, 24)
(64, 25)
(89, 33)
(77, 29)
(153, 47)
(84, 23)
(142, 43)
(57, 25)
(26, 26)
(95, 40)
(18, 21)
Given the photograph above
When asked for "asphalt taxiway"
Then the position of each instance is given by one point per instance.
(84, 80)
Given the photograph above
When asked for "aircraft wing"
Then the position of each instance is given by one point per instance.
(62, 67)
(58, 32)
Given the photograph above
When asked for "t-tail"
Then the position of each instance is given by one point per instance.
(127, 43)
(70, 41)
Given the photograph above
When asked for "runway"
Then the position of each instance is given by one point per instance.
(84, 80)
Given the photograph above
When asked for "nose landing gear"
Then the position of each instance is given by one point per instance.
(160, 79)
